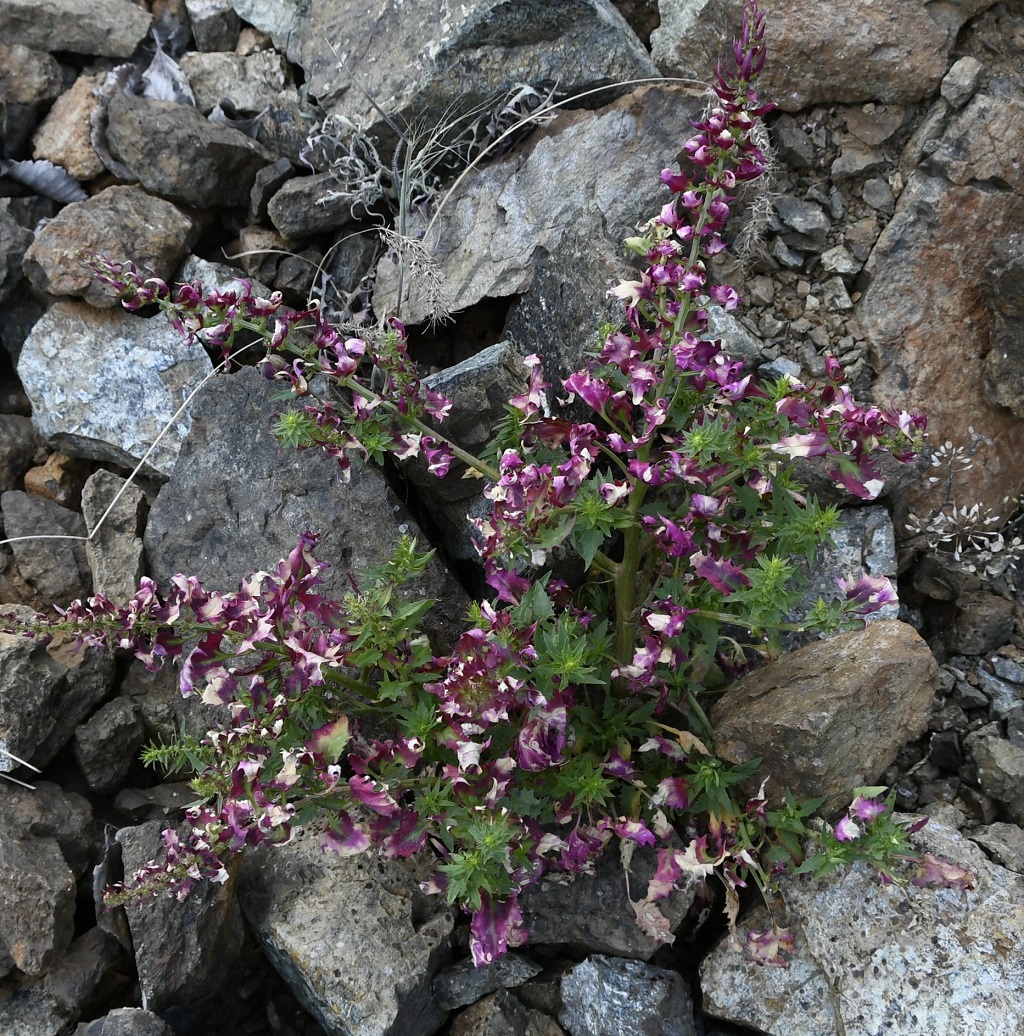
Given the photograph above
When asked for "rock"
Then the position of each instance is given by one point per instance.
(120, 223)
(462, 983)
(150, 137)
(604, 995)
(282, 20)
(872, 958)
(873, 124)
(215, 24)
(1000, 772)
(126, 1021)
(27, 1009)
(137, 805)
(60, 479)
(37, 902)
(831, 716)
(113, 510)
(55, 568)
(15, 241)
(113, 28)
(867, 50)
(120, 383)
(923, 318)
(249, 83)
(20, 448)
(64, 138)
(106, 746)
(239, 501)
(1004, 383)
(792, 143)
(423, 63)
(1003, 697)
(983, 623)
(29, 77)
(805, 217)
(502, 233)
(304, 205)
(85, 969)
(49, 812)
(45, 692)
(961, 81)
(592, 913)
(184, 950)
(499, 1014)
(353, 937)
(1003, 842)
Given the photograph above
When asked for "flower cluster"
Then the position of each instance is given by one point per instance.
(565, 714)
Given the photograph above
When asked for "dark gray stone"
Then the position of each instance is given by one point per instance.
(184, 950)
(178, 154)
(239, 501)
(126, 1021)
(463, 983)
(106, 746)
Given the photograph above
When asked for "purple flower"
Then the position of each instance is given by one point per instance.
(496, 926)
(867, 809)
(344, 836)
(869, 592)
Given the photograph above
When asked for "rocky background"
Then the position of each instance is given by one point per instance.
(215, 139)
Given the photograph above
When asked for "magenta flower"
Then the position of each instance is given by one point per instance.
(846, 830)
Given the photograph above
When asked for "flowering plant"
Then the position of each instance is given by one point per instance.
(565, 714)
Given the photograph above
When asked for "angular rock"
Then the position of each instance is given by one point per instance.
(120, 383)
(924, 318)
(114, 551)
(113, 28)
(239, 501)
(106, 746)
(961, 81)
(872, 958)
(592, 913)
(27, 1009)
(215, 24)
(20, 448)
(983, 623)
(45, 692)
(64, 138)
(37, 902)
(28, 77)
(499, 1014)
(48, 811)
(308, 205)
(353, 937)
(60, 478)
(420, 62)
(463, 984)
(126, 1021)
(15, 241)
(184, 950)
(1004, 382)
(284, 21)
(55, 568)
(503, 233)
(831, 716)
(608, 995)
(152, 139)
(121, 223)
(867, 50)
(83, 970)
(249, 83)
(1000, 772)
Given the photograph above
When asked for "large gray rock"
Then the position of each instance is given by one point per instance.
(184, 949)
(872, 958)
(121, 223)
(421, 62)
(47, 811)
(113, 511)
(45, 692)
(37, 902)
(831, 716)
(107, 385)
(354, 937)
(821, 52)
(503, 232)
(112, 28)
(55, 569)
(178, 154)
(239, 501)
(606, 995)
